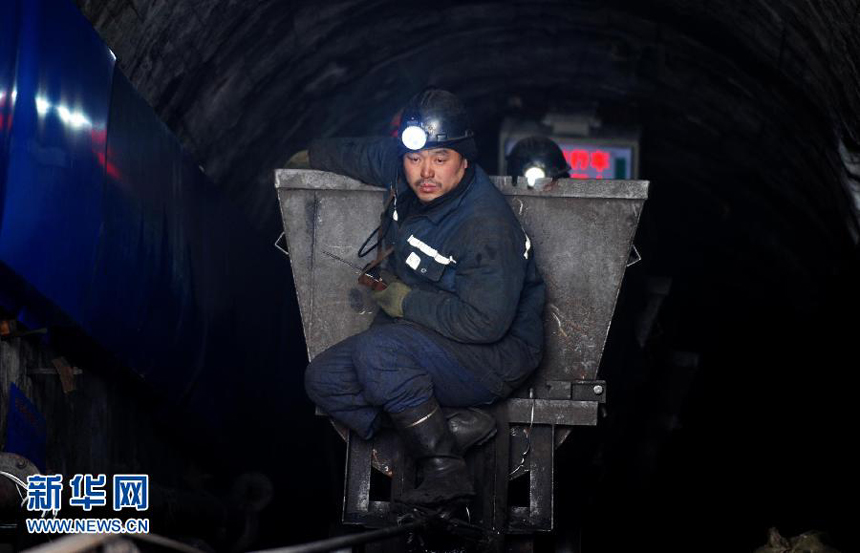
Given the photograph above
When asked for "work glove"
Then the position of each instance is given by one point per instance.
(391, 299)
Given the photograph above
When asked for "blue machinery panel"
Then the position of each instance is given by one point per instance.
(109, 227)
(52, 201)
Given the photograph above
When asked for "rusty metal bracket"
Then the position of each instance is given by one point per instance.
(66, 372)
(577, 390)
(563, 412)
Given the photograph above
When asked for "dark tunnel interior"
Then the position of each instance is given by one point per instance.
(731, 361)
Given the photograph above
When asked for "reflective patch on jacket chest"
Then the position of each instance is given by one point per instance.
(413, 261)
(426, 260)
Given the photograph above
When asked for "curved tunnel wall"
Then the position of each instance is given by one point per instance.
(264, 79)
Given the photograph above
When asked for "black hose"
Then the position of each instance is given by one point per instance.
(348, 541)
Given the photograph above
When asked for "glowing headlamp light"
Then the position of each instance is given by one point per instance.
(534, 173)
(413, 137)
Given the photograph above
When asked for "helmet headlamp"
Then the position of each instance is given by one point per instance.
(533, 173)
(413, 136)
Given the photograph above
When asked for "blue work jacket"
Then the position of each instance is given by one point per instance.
(471, 268)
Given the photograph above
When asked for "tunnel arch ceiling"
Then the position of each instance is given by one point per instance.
(749, 111)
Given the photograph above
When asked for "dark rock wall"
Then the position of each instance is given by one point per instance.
(245, 84)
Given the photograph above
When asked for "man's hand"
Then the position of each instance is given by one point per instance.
(391, 299)
(299, 160)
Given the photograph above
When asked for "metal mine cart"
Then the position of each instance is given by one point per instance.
(582, 231)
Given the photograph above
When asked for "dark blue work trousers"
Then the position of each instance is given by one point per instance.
(391, 368)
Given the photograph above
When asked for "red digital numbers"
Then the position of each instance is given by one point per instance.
(578, 159)
(600, 160)
(587, 164)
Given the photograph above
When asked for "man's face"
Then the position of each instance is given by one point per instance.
(433, 173)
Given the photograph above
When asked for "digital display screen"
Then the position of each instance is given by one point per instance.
(598, 162)
(591, 160)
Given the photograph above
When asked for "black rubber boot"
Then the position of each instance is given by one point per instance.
(470, 426)
(426, 436)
